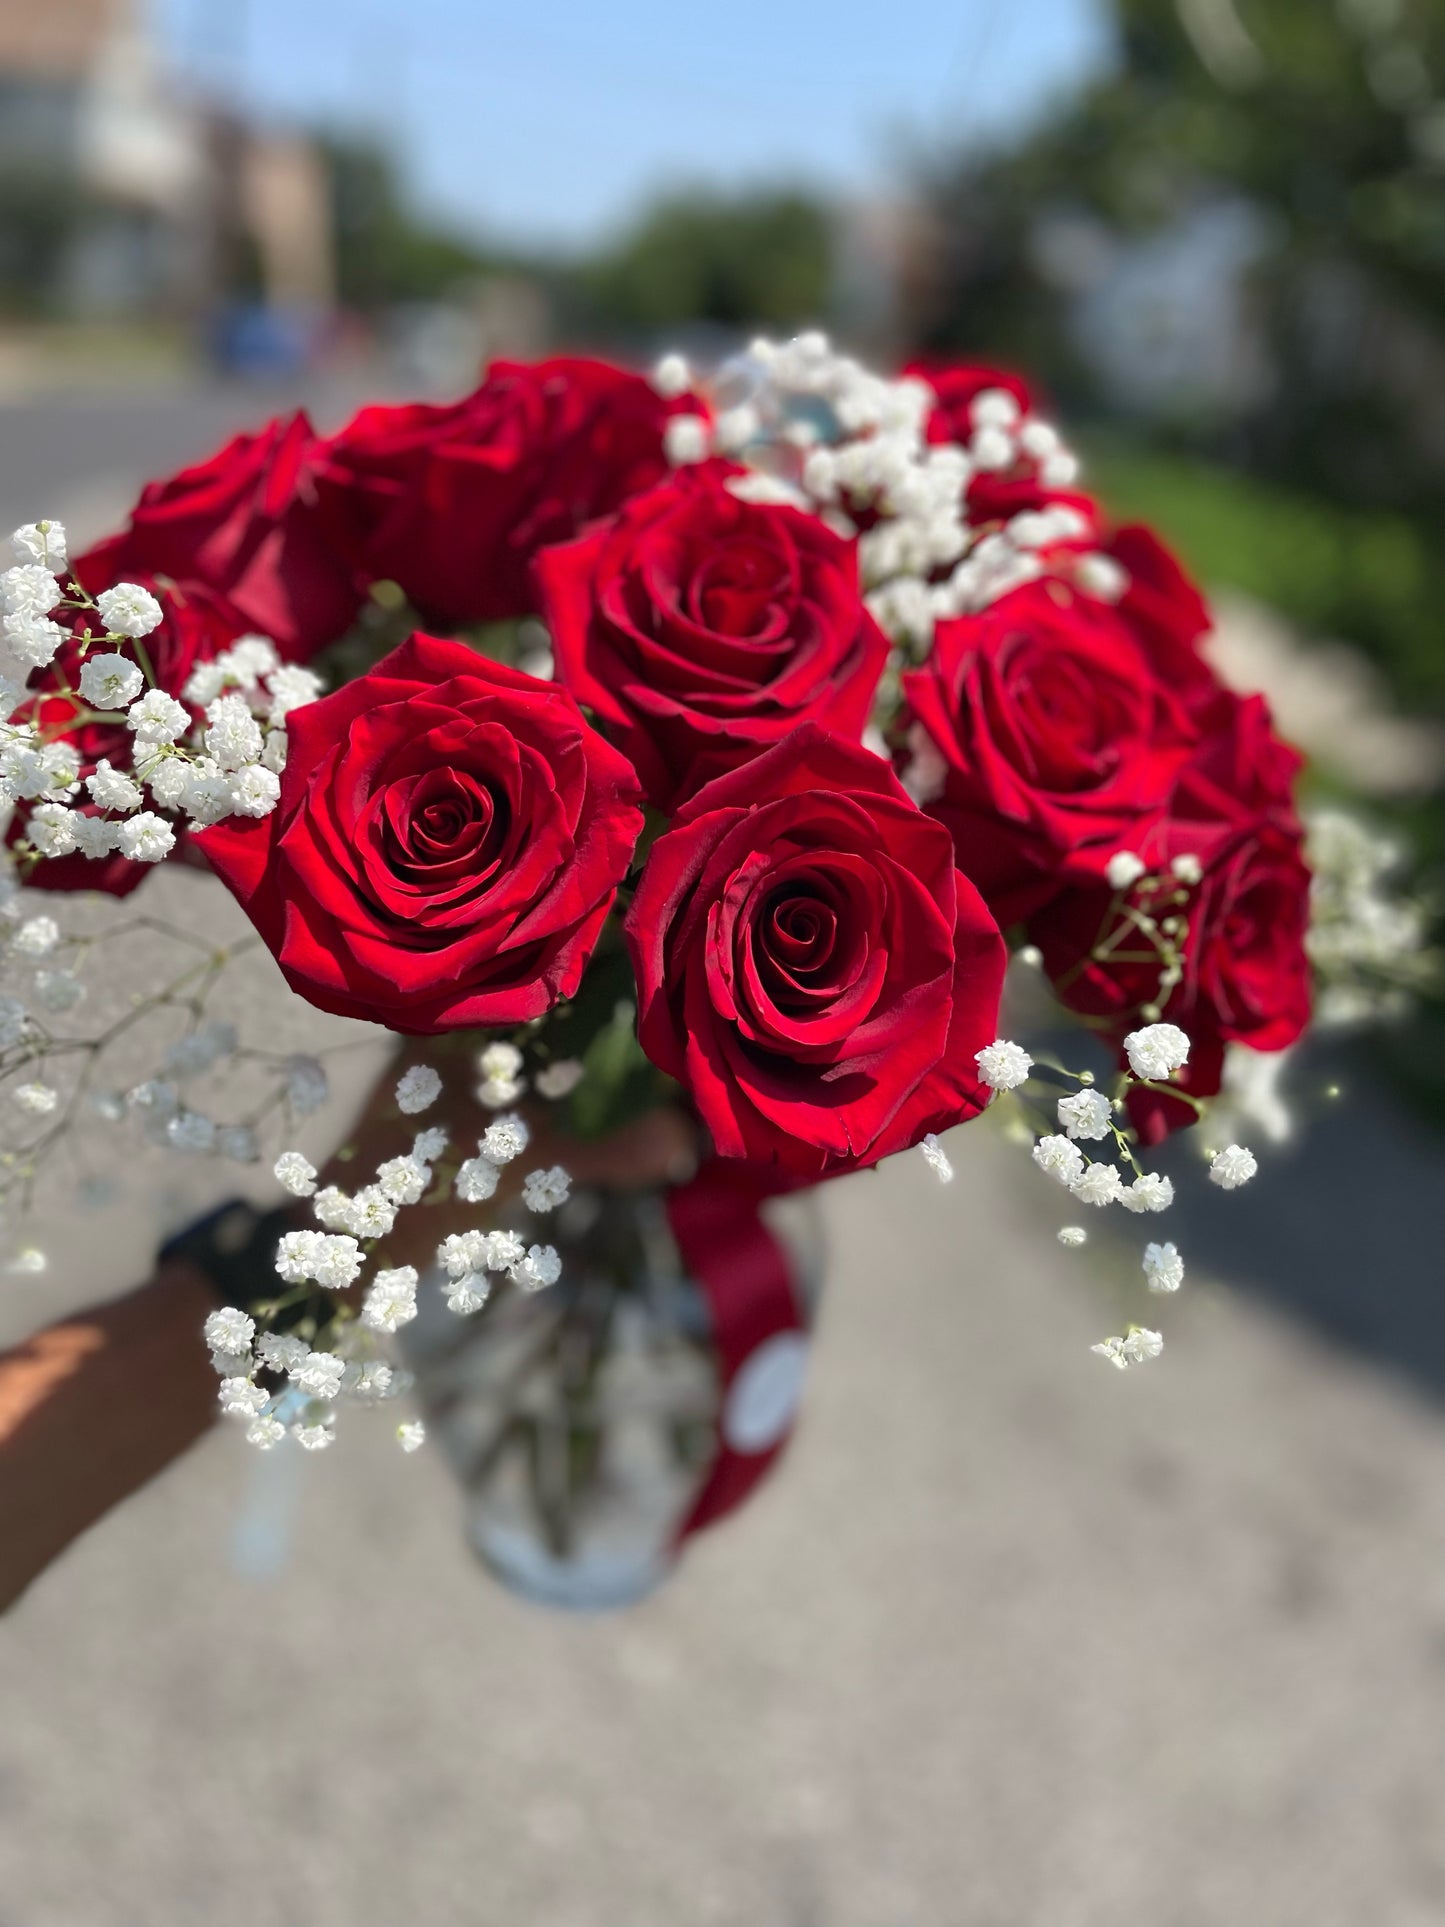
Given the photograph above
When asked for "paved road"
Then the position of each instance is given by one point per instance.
(1011, 1641)
(89, 454)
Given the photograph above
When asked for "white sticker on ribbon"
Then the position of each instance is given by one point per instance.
(764, 1395)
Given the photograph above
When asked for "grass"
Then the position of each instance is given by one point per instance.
(1369, 577)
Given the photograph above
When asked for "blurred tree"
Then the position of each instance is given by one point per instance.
(42, 211)
(1261, 183)
(1325, 121)
(757, 259)
(384, 254)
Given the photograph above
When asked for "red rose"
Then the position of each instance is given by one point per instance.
(1246, 977)
(1158, 599)
(448, 841)
(197, 626)
(956, 387)
(702, 629)
(1055, 734)
(245, 525)
(990, 494)
(1167, 611)
(453, 502)
(809, 963)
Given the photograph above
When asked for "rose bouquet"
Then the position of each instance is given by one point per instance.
(672, 741)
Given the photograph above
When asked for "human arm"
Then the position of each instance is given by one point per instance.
(91, 1408)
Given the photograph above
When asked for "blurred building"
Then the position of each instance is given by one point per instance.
(881, 250)
(122, 195)
(1164, 321)
(1235, 237)
(102, 169)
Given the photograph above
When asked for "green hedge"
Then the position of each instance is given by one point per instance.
(1369, 577)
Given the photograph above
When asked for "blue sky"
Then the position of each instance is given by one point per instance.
(552, 120)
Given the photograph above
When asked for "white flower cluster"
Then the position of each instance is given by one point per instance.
(1232, 1167)
(820, 430)
(250, 668)
(390, 1300)
(1124, 869)
(502, 1083)
(1163, 1267)
(1094, 1182)
(1134, 1348)
(278, 1384)
(1087, 1115)
(544, 1191)
(228, 765)
(169, 1115)
(53, 1075)
(559, 1078)
(925, 554)
(467, 1256)
(503, 1140)
(1003, 1066)
(32, 770)
(937, 1159)
(235, 767)
(1367, 939)
(418, 1089)
(29, 591)
(42, 544)
(370, 1212)
(334, 1258)
(1156, 1051)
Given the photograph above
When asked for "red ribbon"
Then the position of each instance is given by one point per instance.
(747, 1279)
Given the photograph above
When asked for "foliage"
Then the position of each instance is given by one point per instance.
(384, 252)
(692, 257)
(1371, 576)
(42, 210)
(1323, 119)
(736, 261)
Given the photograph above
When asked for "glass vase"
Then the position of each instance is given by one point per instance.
(584, 1422)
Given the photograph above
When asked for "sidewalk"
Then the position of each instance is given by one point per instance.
(1012, 1640)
